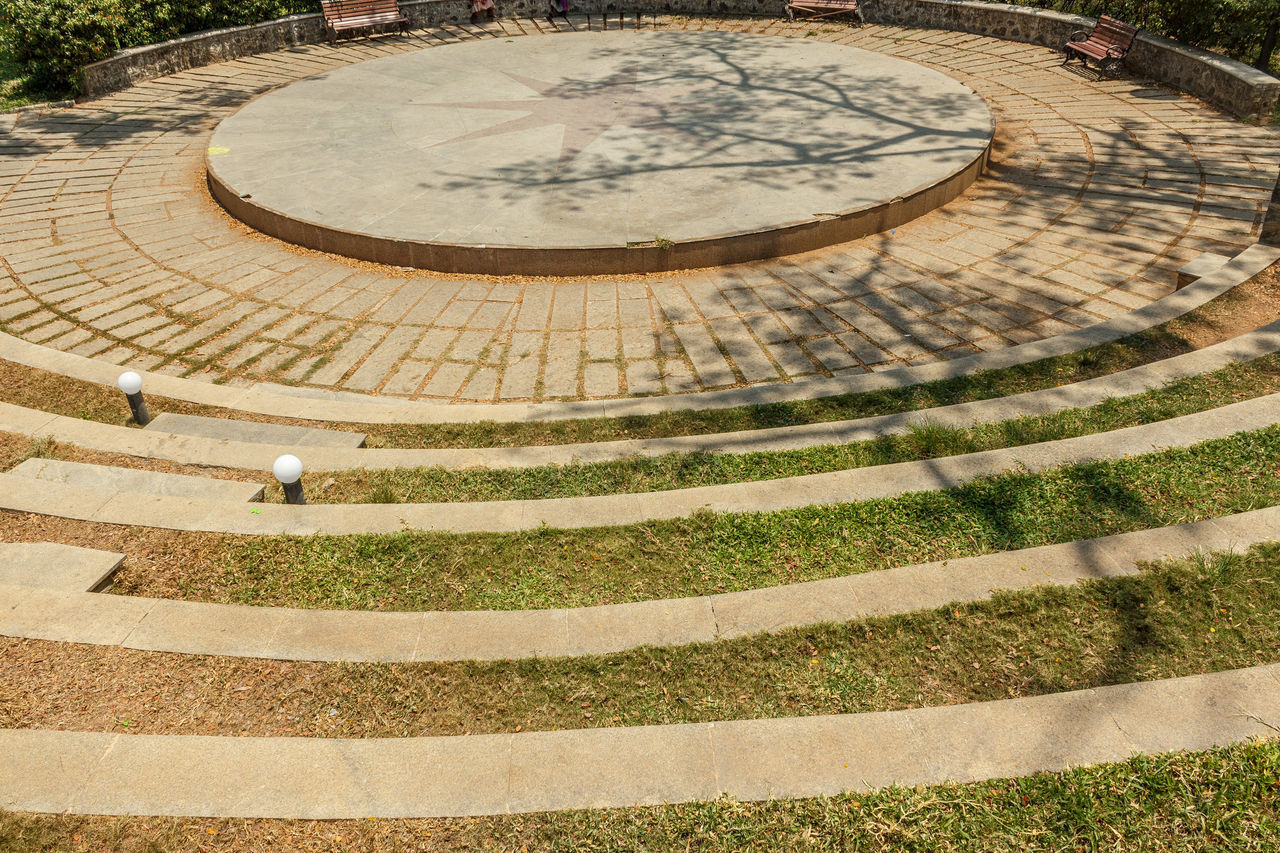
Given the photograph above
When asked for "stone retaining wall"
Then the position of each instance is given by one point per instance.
(1234, 86)
(1231, 85)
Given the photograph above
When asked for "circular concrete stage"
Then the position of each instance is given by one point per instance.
(600, 153)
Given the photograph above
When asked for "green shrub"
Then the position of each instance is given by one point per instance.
(54, 39)
(1241, 29)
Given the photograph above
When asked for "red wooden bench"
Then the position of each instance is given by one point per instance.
(340, 15)
(822, 8)
(1107, 45)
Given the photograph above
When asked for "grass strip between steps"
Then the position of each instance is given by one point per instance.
(1179, 617)
(710, 552)
(1241, 309)
(1199, 614)
(685, 470)
(1223, 799)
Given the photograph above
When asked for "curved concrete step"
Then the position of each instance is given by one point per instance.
(115, 507)
(317, 778)
(254, 432)
(135, 481)
(320, 405)
(155, 442)
(66, 613)
(51, 566)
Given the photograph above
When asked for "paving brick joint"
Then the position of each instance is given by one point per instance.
(1099, 193)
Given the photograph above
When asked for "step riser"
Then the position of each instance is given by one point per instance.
(252, 432)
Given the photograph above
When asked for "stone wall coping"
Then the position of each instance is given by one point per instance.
(139, 63)
(204, 36)
(1247, 73)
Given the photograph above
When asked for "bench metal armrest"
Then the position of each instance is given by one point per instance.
(1079, 35)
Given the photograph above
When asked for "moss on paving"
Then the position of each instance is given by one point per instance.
(710, 553)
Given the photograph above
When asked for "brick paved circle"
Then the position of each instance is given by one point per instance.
(1099, 192)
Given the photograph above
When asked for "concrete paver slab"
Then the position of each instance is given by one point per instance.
(106, 478)
(42, 771)
(595, 768)
(56, 566)
(253, 432)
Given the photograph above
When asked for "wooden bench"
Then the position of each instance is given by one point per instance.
(822, 8)
(340, 15)
(1107, 45)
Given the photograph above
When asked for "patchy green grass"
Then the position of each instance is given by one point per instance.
(16, 89)
(723, 552)
(1217, 800)
(1224, 799)
(685, 470)
(1176, 618)
(1180, 617)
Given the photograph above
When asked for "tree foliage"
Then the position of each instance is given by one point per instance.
(1237, 28)
(54, 39)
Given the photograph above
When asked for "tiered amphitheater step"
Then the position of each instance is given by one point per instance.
(323, 778)
(748, 759)
(290, 634)
(241, 444)
(49, 565)
(106, 479)
(252, 432)
(88, 500)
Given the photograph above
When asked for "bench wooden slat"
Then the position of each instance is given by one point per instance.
(358, 14)
(340, 8)
(366, 21)
(823, 8)
(1107, 45)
